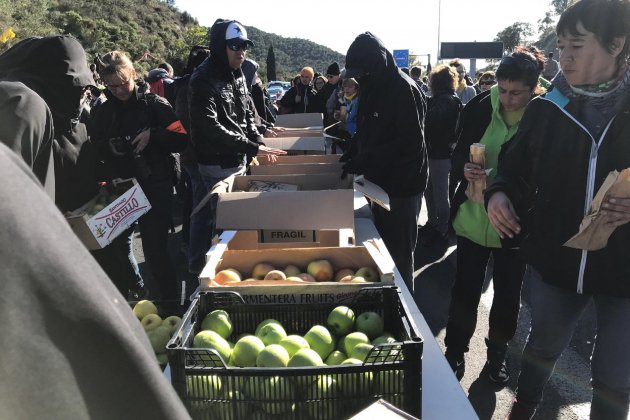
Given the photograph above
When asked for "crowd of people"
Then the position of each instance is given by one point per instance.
(551, 132)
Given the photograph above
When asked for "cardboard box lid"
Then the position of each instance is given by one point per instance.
(304, 182)
(298, 168)
(287, 210)
(372, 191)
(289, 160)
(313, 119)
(317, 144)
(382, 410)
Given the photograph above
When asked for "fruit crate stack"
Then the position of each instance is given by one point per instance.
(212, 385)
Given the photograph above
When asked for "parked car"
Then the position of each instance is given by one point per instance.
(275, 92)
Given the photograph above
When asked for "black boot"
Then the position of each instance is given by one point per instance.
(521, 411)
(608, 404)
(456, 362)
(497, 368)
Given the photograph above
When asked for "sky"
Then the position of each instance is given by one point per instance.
(399, 24)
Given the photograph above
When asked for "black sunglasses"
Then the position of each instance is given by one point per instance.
(238, 47)
(487, 82)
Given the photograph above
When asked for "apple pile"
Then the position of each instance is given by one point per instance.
(316, 271)
(345, 339)
(158, 330)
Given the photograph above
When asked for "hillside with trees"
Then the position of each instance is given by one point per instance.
(151, 31)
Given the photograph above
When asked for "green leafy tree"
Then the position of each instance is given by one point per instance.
(516, 34)
(271, 64)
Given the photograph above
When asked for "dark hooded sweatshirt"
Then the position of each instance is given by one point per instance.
(222, 126)
(42, 82)
(390, 120)
(71, 347)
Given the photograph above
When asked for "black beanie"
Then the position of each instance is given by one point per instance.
(333, 69)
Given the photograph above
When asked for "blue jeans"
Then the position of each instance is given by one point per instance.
(202, 224)
(399, 230)
(436, 195)
(555, 313)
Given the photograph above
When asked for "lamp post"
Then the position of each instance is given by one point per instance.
(439, 56)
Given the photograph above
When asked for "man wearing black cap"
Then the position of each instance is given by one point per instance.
(332, 74)
(223, 133)
(388, 147)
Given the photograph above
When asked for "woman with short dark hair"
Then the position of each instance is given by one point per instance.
(491, 118)
(568, 142)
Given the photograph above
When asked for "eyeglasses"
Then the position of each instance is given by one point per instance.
(122, 84)
(239, 47)
(487, 82)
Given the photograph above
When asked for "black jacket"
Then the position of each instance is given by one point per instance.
(389, 141)
(472, 124)
(222, 126)
(114, 119)
(41, 82)
(551, 168)
(442, 113)
(307, 103)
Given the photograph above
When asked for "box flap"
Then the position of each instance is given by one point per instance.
(311, 119)
(304, 182)
(315, 144)
(288, 160)
(298, 168)
(287, 210)
(372, 191)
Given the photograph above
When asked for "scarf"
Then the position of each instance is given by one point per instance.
(598, 103)
(351, 97)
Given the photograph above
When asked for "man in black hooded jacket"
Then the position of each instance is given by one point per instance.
(42, 82)
(389, 147)
(223, 133)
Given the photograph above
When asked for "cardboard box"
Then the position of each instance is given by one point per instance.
(292, 160)
(270, 291)
(313, 120)
(302, 182)
(298, 168)
(313, 144)
(99, 230)
(382, 410)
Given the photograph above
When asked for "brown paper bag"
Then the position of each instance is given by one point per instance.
(593, 234)
(474, 191)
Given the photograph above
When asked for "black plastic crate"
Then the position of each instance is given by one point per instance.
(207, 386)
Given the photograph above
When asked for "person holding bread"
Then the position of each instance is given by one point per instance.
(485, 124)
(568, 142)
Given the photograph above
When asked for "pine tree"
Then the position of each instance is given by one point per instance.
(271, 64)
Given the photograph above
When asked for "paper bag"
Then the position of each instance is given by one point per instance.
(594, 234)
(474, 191)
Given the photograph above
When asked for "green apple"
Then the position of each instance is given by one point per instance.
(265, 322)
(352, 361)
(368, 273)
(355, 383)
(360, 351)
(162, 359)
(234, 408)
(341, 320)
(305, 357)
(293, 343)
(203, 386)
(144, 308)
(172, 322)
(209, 339)
(322, 398)
(341, 344)
(390, 381)
(352, 339)
(151, 322)
(275, 394)
(370, 323)
(273, 355)
(271, 333)
(246, 351)
(218, 321)
(335, 358)
(320, 340)
(321, 270)
(385, 338)
(292, 270)
(159, 338)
